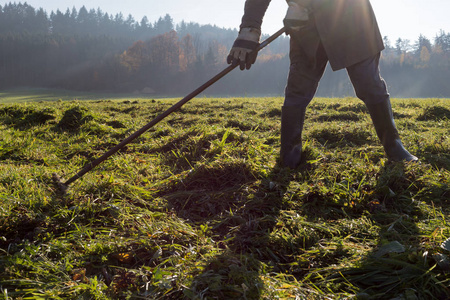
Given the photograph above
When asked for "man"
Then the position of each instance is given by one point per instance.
(345, 34)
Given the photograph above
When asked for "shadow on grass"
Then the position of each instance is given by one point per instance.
(399, 267)
(291, 224)
(243, 213)
(262, 228)
(239, 213)
(24, 118)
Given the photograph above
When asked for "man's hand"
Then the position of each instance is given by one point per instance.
(244, 48)
(296, 17)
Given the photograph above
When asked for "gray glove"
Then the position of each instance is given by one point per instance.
(297, 16)
(244, 48)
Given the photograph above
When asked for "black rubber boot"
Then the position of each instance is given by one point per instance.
(292, 119)
(383, 120)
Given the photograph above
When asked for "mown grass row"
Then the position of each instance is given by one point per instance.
(198, 207)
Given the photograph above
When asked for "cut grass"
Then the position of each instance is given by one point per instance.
(198, 207)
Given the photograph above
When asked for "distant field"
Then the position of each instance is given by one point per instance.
(36, 95)
(198, 207)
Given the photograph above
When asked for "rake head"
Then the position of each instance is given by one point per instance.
(61, 186)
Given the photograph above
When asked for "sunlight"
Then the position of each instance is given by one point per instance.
(273, 20)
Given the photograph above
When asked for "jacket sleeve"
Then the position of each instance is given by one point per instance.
(254, 13)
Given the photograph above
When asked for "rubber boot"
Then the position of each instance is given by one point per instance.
(383, 120)
(292, 119)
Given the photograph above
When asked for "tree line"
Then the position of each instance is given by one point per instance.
(92, 50)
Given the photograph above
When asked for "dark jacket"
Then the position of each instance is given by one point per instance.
(347, 29)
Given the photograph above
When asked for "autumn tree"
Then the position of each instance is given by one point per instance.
(135, 57)
(165, 51)
(188, 54)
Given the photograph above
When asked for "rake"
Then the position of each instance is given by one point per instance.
(63, 186)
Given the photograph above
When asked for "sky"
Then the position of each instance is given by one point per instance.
(406, 19)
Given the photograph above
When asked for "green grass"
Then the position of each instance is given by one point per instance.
(22, 95)
(198, 207)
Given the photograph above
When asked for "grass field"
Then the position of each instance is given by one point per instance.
(198, 207)
(23, 95)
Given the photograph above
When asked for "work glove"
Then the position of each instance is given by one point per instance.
(244, 48)
(296, 17)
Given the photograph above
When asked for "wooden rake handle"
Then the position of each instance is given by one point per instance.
(88, 167)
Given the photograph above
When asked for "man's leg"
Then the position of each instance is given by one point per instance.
(371, 88)
(304, 75)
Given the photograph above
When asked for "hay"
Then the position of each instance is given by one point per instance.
(344, 116)
(74, 118)
(434, 113)
(25, 117)
(339, 137)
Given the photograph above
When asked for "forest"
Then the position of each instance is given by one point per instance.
(91, 50)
